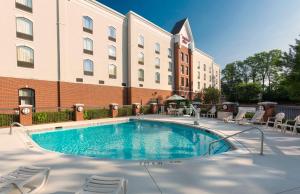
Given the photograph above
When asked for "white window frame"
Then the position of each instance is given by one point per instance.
(88, 22)
(26, 21)
(112, 32)
(112, 72)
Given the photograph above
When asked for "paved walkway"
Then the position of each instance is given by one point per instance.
(241, 171)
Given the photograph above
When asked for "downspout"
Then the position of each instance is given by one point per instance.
(58, 55)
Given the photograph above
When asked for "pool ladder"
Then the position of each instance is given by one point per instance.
(246, 130)
(16, 124)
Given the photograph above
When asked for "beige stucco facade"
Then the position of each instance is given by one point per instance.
(58, 53)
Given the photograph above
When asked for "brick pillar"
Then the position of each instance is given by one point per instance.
(78, 112)
(136, 108)
(154, 108)
(25, 114)
(113, 107)
(269, 108)
(230, 107)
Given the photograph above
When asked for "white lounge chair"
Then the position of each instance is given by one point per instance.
(239, 117)
(294, 125)
(100, 185)
(10, 188)
(256, 119)
(212, 112)
(26, 179)
(275, 120)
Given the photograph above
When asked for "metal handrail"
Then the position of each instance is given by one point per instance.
(15, 124)
(250, 129)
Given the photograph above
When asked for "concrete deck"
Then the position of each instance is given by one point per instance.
(241, 171)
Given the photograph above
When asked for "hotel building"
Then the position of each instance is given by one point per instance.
(56, 53)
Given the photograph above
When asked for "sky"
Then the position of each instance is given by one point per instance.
(228, 30)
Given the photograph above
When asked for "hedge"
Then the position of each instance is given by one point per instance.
(146, 109)
(7, 119)
(96, 114)
(52, 117)
(125, 111)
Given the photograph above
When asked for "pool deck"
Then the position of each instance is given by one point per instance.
(241, 171)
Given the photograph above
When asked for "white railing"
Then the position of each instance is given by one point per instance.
(15, 124)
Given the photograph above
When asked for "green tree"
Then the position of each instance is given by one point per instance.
(211, 95)
(292, 61)
(231, 77)
(249, 92)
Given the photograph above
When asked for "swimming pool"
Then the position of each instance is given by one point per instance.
(132, 140)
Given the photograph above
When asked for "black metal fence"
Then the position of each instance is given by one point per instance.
(290, 111)
(52, 115)
(8, 116)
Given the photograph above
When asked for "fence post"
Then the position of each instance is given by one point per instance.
(78, 112)
(25, 114)
(113, 107)
(136, 108)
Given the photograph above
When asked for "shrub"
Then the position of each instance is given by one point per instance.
(96, 114)
(211, 95)
(7, 119)
(52, 117)
(125, 111)
(249, 115)
(249, 92)
(146, 109)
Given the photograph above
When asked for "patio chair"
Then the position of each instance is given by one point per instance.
(294, 125)
(26, 179)
(108, 185)
(179, 112)
(256, 119)
(239, 117)
(275, 120)
(212, 112)
(11, 188)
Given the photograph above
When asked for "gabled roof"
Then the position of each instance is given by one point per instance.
(178, 26)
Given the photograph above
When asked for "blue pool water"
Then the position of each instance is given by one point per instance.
(133, 140)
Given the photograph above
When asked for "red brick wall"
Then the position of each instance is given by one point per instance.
(45, 92)
(143, 95)
(183, 90)
(91, 95)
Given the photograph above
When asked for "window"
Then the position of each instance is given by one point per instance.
(182, 69)
(186, 58)
(112, 34)
(204, 76)
(141, 41)
(112, 52)
(170, 55)
(210, 70)
(186, 82)
(204, 85)
(24, 28)
(87, 24)
(182, 56)
(210, 78)
(88, 46)
(157, 77)
(141, 75)
(112, 71)
(141, 58)
(25, 56)
(198, 85)
(25, 5)
(170, 80)
(27, 97)
(157, 48)
(182, 81)
(199, 65)
(198, 74)
(170, 68)
(204, 67)
(157, 63)
(88, 67)
(187, 70)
